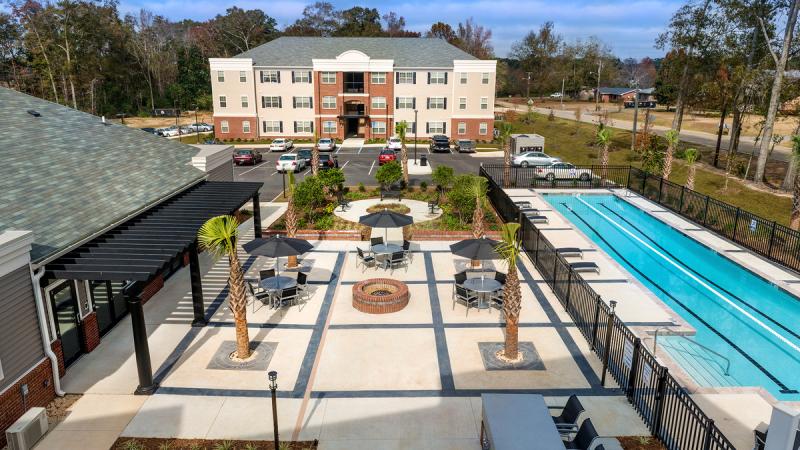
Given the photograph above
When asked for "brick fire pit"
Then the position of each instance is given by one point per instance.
(380, 296)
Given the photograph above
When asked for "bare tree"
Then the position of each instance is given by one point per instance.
(475, 39)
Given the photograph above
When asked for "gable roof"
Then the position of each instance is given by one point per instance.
(624, 90)
(406, 52)
(66, 176)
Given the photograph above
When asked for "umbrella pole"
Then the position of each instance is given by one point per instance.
(278, 272)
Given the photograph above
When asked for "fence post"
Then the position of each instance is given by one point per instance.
(660, 398)
(628, 180)
(569, 290)
(680, 207)
(607, 353)
(644, 183)
(637, 346)
(771, 239)
(516, 176)
(735, 224)
(707, 440)
(705, 211)
(555, 269)
(594, 323)
(660, 188)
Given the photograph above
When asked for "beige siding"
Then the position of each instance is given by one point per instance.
(287, 91)
(233, 90)
(474, 90)
(422, 91)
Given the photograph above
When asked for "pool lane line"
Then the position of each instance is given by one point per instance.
(734, 296)
(701, 282)
(783, 387)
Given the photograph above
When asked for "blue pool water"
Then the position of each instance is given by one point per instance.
(737, 314)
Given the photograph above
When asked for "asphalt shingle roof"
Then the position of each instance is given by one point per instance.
(406, 52)
(66, 176)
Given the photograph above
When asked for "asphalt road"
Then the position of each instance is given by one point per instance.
(359, 165)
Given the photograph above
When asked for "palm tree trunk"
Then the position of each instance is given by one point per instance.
(690, 177)
(604, 162)
(314, 159)
(404, 159)
(794, 221)
(291, 227)
(668, 162)
(238, 302)
(511, 306)
(506, 165)
(478, 226)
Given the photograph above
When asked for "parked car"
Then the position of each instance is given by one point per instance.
(326, 145)
(149, 130)
(465, 146)
(326, 162)
(386, 155)
(187, 130)
(533, 159)
(305, 154)
(281, 145)
(440, 143)
(394, 143)
(290, 161)
(563, 171)
(200, 127)
(171, 131)
(247, 156)
(555, 95)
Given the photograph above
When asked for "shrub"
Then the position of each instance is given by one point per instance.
(309, 194)
(389, 173)
(361, 187)
(324, 222)
(443, 176)
(552, 116)
(423, 185)
(462, 197)
(331, 178)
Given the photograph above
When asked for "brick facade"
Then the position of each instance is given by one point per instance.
(152, 288)
(235, 128)
(56, 346)
(40, 393)
(472, 129)
(90, 332)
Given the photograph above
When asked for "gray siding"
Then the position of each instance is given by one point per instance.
(222, 173)
(20, 341)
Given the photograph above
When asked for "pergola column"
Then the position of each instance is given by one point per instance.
(197, 287)
(257, 215)
(146, 384)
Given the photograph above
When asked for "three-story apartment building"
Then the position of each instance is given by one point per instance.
(342, 87)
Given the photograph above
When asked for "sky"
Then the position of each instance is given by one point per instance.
(629, 27)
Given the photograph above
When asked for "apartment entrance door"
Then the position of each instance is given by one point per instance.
(352, 128)
(66, 314)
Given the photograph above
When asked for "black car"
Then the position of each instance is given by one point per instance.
(440, 143)
(149, 130)
(305, 154)
(465, 146)
(326, 162)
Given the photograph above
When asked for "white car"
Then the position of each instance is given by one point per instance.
(280, 145)
(290, 162)
(200, 127)
(326, 145)
(555, 95)
(169, 132)
(394, 143)
(563, 171)
(533, 159)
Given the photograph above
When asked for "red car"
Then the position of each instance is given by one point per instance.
(247, 156)
(386, 155)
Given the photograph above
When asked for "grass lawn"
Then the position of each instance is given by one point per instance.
(574, 142)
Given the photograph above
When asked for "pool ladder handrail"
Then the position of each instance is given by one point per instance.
(655, 342)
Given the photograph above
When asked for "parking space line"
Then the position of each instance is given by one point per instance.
(306, 172)
(345, 164)
(257, 166)
(360, 148)
(371, 167)
(340, 149)
(273, 173)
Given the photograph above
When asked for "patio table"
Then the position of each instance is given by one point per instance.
(277, 283)
(514, 421)
(385, 250)
(484, 287)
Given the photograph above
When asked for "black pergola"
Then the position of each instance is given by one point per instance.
(140, 248)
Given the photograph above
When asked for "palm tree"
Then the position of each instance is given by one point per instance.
(291, 220)
(691, 156)
(315, 156)
(509, 250)
(794, 220)
(402, 127)
(478, 223)
(604, 139)
(505, 140)
(671, 137)
(218, 235)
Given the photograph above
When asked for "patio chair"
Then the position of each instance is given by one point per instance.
(263, 296)
(584, 437)
(375, 241)
(464, 296)
(500, 277)
(460, 278)
(269, 273)
(302, 285)
(570, 251)
(343, 202)
(366, 259)
(588, 266)
(407, 249)
(567, 421)
(397, 259)
(287, 296)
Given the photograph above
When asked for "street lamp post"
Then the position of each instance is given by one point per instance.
(415, 138)
(597, 92)
(197, 127)
(273, 387)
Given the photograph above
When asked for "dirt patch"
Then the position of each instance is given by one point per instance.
(162, 122)
(57, 409)
(126, 443)
(393, 207)
(640, 443)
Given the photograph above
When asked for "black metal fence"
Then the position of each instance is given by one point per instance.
(664, 406)
(580, 177)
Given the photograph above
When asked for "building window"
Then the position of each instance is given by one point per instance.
(270, 76)
(272, 126)
(270, 102)
(221, 76)
(378, 102)
(462, 102)
(378, 127)
(329, 126)
(405, 103)
(301, 76)
(437, 103)
(435, 127)
(405, 77)
(328, 77)
(302, 102)
(243, 76)
(245, 103)
(484, 128)
(485, 78)
(224, 126)
(246, 126)
(463, 78)
(437, 77)
(378, 77)
(223, 101)
(462, 128)
(304, 126)
(484, 103)
(329, 102)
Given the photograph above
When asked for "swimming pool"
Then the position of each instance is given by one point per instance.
(748, 323)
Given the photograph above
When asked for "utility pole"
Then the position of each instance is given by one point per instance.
(635, 115)
(528, 89)
(597, 92)
(562, 93)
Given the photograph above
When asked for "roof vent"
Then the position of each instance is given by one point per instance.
(103, 119)
(34, 113)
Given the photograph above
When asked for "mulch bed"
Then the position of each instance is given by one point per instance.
(126, 443)
(640, 443)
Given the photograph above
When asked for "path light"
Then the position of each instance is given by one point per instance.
(273, 386)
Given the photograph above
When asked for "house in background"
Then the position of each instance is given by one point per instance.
(624, 94)
(353, 87)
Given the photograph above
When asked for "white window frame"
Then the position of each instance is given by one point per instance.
(377, 78)
(221, 76)
(271, 101)
(304, 126)
(242, 76)
(378, 103)
(485, 77)
(484, 103)
(463, 78)
(380, 128)
(301, 102)
(271, 126)
(245, 102)
(270, 76)
(462, 103)
(301, 76)
(245, 126)
(405, 77)
(328, 78)
(438, 77)
(483, 128)
(329, 126)
(223, 101)
(326, 102)
(440, 103)
(405, 102)
(438, 130)
(224, 126)
(462, 128)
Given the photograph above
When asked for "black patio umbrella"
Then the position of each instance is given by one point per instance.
(277, 246)
(386, 219)
(476, 249)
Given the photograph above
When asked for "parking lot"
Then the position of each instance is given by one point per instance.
(359, 165)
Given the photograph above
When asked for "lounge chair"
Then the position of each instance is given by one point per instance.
(367, 259)
(537, 218)
(464, 296)
(587, 266)
(570, 251)
(584, 437)
(523, 204)
(567, 421)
